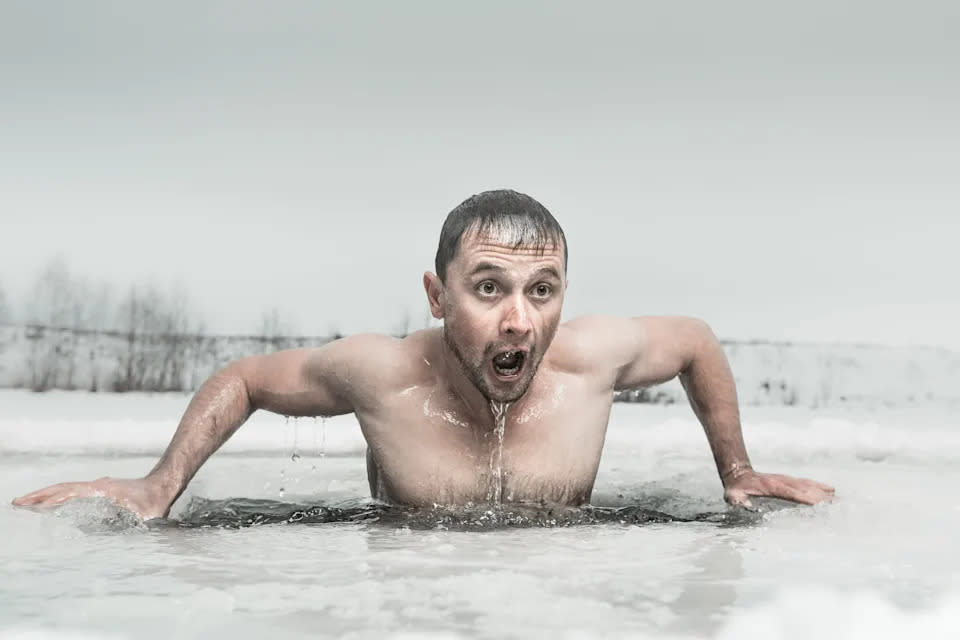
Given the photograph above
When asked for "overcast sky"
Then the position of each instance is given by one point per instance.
(783, 170)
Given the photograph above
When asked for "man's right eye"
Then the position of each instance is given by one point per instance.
(487, 288)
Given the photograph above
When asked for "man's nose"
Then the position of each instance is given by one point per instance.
(516, 317)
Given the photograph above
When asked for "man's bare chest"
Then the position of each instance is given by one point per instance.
(427, 452)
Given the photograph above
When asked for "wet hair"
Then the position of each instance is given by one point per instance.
(515, 218)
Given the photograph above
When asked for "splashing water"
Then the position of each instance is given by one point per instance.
(283, 473)
(319, 441)
(499, 410)
(296, 454)
(246, 512)
(323, 437)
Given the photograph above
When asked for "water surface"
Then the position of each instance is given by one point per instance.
(266, 543)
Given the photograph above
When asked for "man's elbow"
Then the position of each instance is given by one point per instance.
(699, 340)
(238, 376)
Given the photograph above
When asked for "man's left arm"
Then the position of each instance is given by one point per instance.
(665, 347)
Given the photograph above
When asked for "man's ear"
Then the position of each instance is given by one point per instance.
(434, 288)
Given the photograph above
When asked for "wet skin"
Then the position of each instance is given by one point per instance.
(429, 447)
(424, 402)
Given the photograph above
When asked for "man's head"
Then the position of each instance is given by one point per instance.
(501, 275)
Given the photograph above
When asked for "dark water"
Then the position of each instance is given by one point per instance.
(238, 512)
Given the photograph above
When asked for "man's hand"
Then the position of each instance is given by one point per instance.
(769, 485)
(142, 496)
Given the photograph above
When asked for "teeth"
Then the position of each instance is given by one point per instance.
(508, 360)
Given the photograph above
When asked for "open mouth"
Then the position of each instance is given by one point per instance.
(509, 364)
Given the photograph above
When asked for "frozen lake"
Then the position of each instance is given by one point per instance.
(882, 561)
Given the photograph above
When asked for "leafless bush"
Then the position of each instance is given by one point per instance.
(53, 306)
(61, 308)
(274, 331)
(162, 340)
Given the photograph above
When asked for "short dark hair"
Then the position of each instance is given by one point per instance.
(520, 219)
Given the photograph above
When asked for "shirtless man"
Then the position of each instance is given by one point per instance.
(428, 403)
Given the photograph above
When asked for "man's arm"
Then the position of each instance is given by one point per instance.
(661, 348)
(296, 382)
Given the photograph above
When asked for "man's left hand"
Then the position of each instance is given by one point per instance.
(771, 485)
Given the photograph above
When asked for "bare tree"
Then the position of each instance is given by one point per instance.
(51, 300)
(274, 331)
(161, 334)
(95, 321)
(52, 307)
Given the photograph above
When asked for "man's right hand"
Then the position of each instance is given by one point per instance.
(297, 382)
(142, 496)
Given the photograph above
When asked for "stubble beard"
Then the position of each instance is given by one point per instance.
(475, 373)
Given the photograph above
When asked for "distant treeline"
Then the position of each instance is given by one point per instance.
(75, 335)
(43, 358)
(57, 298)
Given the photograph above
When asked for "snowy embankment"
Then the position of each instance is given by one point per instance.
(767, 373)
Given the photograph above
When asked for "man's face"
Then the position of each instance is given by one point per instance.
(501, 308)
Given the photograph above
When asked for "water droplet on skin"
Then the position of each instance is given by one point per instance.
(295, 457)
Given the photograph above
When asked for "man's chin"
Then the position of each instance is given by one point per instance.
(504, 391)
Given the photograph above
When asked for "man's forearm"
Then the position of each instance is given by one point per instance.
(220, 406)
(712, 393)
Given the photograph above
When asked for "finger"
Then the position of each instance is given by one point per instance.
(738, 498)
(802, 490)
(819, 485)
(56, 495)
(59, 498)
(817, 491)
(38, 496)
(785, 488)
(806, 492)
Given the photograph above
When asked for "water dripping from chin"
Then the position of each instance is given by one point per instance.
(499, 411)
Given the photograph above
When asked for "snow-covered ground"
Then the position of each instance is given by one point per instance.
(880, 562)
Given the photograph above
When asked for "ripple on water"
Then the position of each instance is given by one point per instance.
(238, 513)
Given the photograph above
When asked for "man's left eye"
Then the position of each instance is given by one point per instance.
(542, 290)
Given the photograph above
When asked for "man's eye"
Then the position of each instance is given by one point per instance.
(542, 290)
(487, 288)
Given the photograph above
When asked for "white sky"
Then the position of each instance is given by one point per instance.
(784, 172)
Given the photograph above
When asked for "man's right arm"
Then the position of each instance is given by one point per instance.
(298, 382)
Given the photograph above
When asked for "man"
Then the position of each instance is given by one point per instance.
(428, 404)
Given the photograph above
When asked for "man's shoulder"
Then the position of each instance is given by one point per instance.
(367, 366)
(590, 324)
(596, 330)
(382, 356)
(592, 342)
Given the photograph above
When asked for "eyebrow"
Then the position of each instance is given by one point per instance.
(482, 267)
(485, 266)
